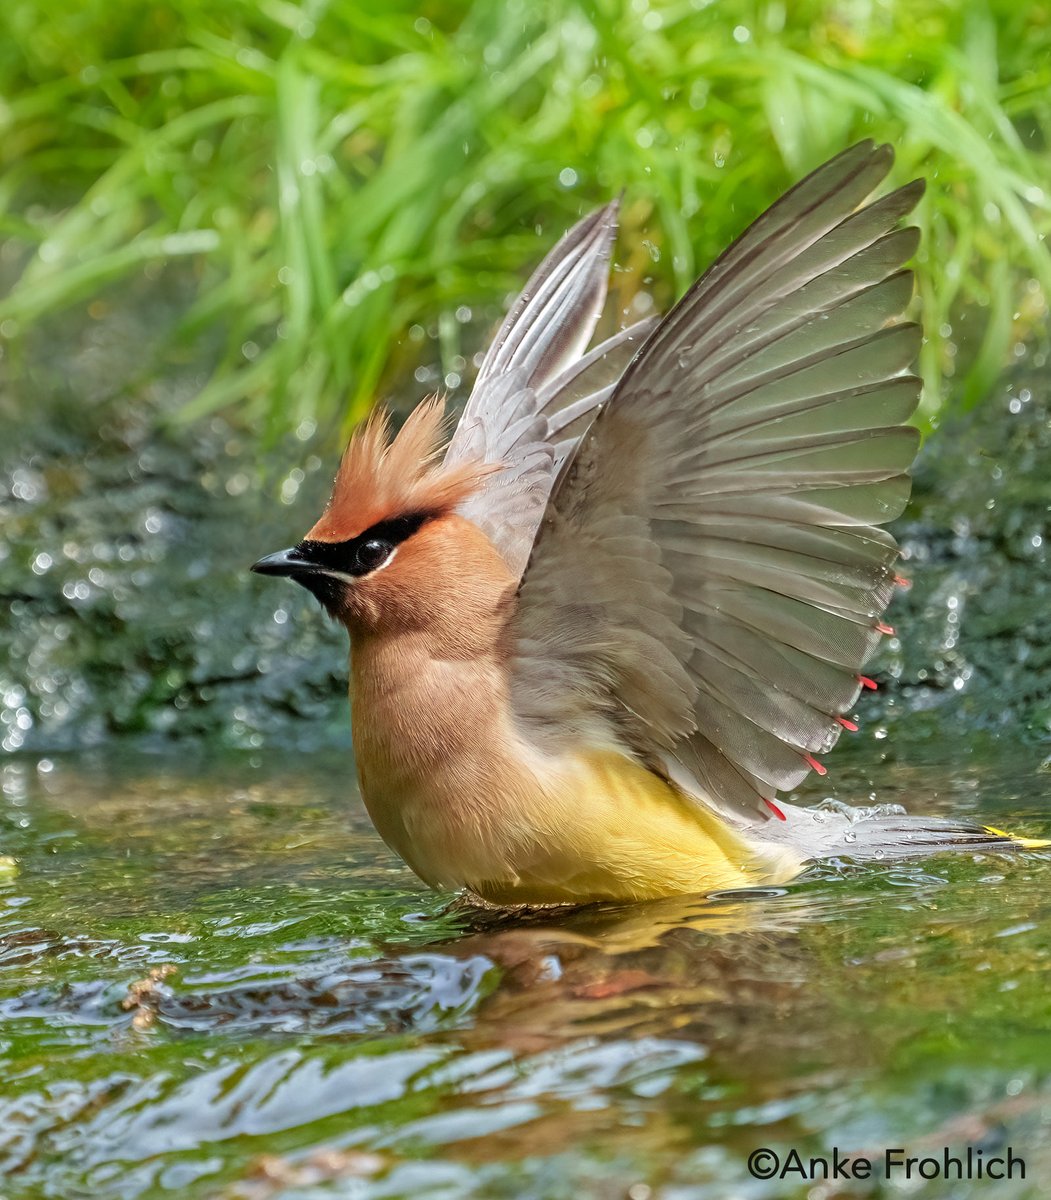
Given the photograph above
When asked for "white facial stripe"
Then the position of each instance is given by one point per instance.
(352, 579)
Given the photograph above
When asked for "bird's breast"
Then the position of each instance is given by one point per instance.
(517, 826)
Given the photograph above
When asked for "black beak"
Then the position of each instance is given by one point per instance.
(296, 564)
(284, 562)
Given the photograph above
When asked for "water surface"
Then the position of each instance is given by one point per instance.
(216, 982)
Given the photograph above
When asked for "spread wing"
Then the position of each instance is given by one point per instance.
(537, 390)
(709, 576)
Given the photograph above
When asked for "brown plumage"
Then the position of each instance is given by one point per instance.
(632, 602)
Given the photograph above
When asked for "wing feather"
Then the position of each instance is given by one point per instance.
(537, 390)
(709, 576)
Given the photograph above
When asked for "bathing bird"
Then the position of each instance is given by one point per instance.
(597, 631)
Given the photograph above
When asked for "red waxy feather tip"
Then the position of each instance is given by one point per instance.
(775, 810)
(885, 629)
(866, 682)
(849, 725)
(815, 764)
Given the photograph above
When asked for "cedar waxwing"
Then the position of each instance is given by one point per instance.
(633, 600)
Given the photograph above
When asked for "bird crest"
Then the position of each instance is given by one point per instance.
(381, 477)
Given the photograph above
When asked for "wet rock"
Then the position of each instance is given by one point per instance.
(126, 602)
(128, 608)
(974, 631)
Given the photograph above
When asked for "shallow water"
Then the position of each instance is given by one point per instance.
(318, 1025)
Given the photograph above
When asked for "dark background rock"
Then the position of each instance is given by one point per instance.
(126, 600)
(128, 608)
(974, 631)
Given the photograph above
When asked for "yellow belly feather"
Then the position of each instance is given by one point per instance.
(612, 830)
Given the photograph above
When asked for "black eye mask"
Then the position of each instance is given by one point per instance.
(364, 553)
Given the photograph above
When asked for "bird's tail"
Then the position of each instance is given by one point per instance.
(914, 837)
(888, 833)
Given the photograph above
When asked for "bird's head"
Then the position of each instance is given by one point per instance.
(390, 553)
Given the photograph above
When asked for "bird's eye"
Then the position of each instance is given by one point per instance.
(372, 554)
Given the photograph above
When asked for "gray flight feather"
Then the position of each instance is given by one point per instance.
(537, 390)
(709, 576)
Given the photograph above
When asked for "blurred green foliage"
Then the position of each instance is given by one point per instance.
(337, 173)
